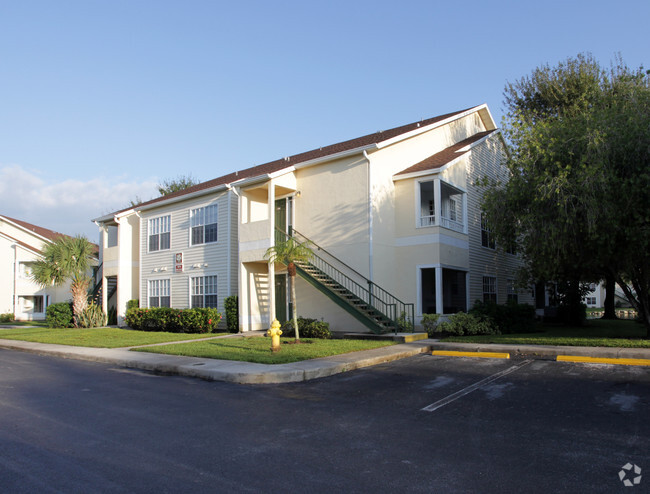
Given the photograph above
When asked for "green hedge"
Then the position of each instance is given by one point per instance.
(462, 324)
(307, 328)
(508, 318)
(173, 320)
(231, 305)
(59, 315)
(8, 317)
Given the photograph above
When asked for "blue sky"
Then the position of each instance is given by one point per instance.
(101, 100)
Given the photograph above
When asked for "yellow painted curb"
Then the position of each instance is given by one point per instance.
(596, 360)
(445, 353)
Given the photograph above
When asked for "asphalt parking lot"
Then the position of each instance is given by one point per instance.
(421, 424)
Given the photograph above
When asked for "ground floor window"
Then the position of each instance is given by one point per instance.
(591, 301)
(204, 291)
(33, 304)
(513, 296)
(489, 289)
(159, 293)
(454, 290)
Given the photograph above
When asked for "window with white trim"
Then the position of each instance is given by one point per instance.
(489, 289)
(159, 293)
(203, 225)
(204, 291)
(159, 233)
(513, 296)
(487, 237)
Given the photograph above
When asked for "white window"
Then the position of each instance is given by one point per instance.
(591, 301)
(159, 293)
(159, 233)
(489, 289)
(487, 238)
(204, 291)
(513, 296)
(203, 225)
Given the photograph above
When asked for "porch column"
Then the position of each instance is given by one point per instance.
(437, 204)
(439, 297)
(271, 270)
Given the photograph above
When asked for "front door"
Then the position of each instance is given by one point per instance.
(281, 297)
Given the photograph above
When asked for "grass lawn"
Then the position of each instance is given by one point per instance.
(596, 332)
(97, 337)
(259, 349)
(40, 324)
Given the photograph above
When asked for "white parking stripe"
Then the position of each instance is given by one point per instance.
(474, 387)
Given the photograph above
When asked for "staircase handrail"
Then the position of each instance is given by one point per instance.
(399, 312)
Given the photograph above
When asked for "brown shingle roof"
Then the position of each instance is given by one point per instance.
(43, 232)
(282, 163)
(445, 156)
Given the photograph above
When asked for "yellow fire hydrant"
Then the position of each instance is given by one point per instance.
(275, 333)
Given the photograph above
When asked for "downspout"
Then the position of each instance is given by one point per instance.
(15, 297)
(370, 215)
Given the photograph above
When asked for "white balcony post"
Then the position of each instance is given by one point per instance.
(439, 294)
(437, 201)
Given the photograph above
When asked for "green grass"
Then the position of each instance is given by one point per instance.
(97, 337)
(40, 324)
(259, 349)
(596, 332)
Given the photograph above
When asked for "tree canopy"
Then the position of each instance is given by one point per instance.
(578, 200)
(171, 185)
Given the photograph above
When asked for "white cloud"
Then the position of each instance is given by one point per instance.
(68, 205)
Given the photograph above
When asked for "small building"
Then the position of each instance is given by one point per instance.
(393, 217)
(21, 244)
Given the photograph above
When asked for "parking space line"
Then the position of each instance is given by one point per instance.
(474, 387)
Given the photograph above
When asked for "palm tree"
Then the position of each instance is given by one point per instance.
(67, 259)
(287, 252)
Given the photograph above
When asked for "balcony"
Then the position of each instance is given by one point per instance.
(436, 195)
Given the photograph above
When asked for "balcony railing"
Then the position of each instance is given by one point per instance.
(457, 226)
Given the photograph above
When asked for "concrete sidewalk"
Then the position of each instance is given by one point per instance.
(251, 373)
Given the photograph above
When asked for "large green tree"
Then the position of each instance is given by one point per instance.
(288, 252)
(67, 259)
(578, 167)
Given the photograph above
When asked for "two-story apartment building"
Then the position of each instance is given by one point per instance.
(393, 217)
(21, 244)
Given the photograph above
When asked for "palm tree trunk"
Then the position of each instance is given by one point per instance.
(291, 269)
(79, 289)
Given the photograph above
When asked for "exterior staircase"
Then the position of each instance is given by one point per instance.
(377, 309)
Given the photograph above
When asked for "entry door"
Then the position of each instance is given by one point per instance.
(281, 297)
(280, 219)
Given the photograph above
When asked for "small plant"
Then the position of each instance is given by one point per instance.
(430, 323)
(308, 328)
(232, 313)
(59, 315)
(404, 324)
(134, 303)
(461, 324)
(92, 317)
(5, 318)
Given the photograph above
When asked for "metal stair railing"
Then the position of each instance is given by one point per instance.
(400, 314)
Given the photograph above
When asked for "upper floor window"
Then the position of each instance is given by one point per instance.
(489, 289)
(159, 233)
(487, 237)
(451, 204)
(204, 291)
(159, 293)
(203, 225)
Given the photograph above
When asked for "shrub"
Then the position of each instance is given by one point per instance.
(232, 313)
(59, 315)
(134, 303)
(430, 323)
(462, 324)
(92, 317)
(403, 323)
(8, 317)
(508, 318)
(199, 320)
(308, 328)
